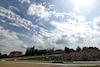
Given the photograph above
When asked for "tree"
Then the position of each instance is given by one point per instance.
(33, 50)
(30, 51)
(85, 48)
(36, 52)
(0, 55)
(95, 48)
(42, 52)
(78, 49)
(71, 50)
(67, 50)
(50, 51)
(91, 48)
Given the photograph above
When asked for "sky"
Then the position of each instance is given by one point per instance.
(48, 24)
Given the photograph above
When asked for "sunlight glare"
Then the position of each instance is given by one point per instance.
(81, 3)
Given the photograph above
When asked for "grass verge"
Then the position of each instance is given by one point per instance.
(33, 60)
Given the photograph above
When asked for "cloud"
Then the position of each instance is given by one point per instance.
(62, 41)
(36, 31)
(13, 8)
(17, 21)
(96, 42)
(82, 4)
(59, 30)
(9, 41)
(23, 1)
(72, 27)
(79, 32)
(97, 23)
(14, 19)
(38, 10)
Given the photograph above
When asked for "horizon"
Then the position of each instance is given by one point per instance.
(78, 49)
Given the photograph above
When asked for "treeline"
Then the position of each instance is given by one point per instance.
(3, 55)
(32, 51)
(36, 52)
(68, 50)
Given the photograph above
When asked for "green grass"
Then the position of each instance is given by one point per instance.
(24, 59)
(43, 60)
(38, 56)
(33, 60)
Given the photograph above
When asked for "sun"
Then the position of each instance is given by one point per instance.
(81, 3)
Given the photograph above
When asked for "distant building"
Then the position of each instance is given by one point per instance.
(59, 51)
(15, 54)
